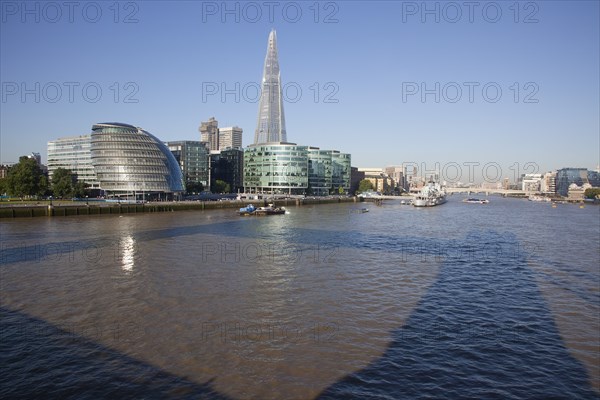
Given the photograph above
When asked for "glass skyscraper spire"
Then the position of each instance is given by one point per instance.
(271, 121)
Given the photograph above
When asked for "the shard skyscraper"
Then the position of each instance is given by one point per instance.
(271, 121)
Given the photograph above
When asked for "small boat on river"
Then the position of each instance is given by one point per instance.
(268, 210)
(476, 201)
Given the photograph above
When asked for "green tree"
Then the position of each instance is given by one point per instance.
(3, 186)
(340, 190)
(25, 178)
(62, 183)
(221, 187)
(44, 186)
(592, 193)
(80, 189)
(192, 187)
(365, 185)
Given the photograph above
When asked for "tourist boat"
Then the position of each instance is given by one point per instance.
(476, 201)
(268, 210)
(430, 196)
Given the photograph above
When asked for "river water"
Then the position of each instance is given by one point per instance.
(456, 301)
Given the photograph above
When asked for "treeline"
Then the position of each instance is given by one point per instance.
(27, 180)
(592, 193)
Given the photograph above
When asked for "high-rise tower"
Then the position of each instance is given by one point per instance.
(271, 121)
(209, 133)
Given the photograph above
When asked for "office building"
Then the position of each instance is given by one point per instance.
(319, 171)
(73, 153)
(355, 177)
(209, 133)
(229, 137)
(340, 172)
(396, 172)
(382, 183)
(548, 183)
(565, 177)
(270, 126)
(192, 157)
(274, 166)
(228, 166)
(280, 168)
(37, 157)
(531, 183)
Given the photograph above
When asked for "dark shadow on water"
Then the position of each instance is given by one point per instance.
(38, 360)
(482, 331)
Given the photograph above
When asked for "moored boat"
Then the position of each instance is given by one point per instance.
(430, 196)
(268, 210)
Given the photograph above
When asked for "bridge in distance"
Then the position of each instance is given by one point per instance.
(508, 192)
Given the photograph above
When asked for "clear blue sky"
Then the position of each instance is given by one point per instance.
(374, 55)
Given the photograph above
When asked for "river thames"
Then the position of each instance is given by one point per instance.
(456, 301)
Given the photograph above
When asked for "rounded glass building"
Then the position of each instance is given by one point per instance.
(128, 159)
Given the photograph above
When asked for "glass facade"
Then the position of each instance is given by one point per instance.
(278, 168)
(129, 159)
(579, 176)
(273, 165)
(319, 172)
(73, 153)
(228, 166)
(192, 157)
(341, 171)
(270, 126)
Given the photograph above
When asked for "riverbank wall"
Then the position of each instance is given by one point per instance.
(30, 211)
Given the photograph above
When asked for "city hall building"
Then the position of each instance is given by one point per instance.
(119, 160)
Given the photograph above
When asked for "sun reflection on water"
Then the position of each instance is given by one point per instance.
(127, 253)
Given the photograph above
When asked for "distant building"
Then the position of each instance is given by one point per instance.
(228, 166)
(4, 171)
(355, 177)
(577, 193)
(209, 133)
(505, 184)
(216, 138)
(548, 183)
(230, 137)
(397, 174)
(73, 153)
(37, 157)
(192, 157)
(594, 178)
(531, 183)
(565, 177)
(382, 183)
